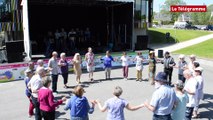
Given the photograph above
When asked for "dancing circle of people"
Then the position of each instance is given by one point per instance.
(167, 103)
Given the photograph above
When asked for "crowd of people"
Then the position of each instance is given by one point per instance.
(167, 103)
(61, 40)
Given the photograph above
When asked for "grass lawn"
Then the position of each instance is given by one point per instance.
(204, 49)
(157, 35)
(3, 81)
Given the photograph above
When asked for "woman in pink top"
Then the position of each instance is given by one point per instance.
(46, 100)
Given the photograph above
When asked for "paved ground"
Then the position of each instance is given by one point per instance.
(14, 103)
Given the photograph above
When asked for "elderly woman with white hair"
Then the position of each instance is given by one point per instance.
(64, 68)
(190, 65)
(116, 105)
(77, 67)
(182, 64)
(40, 63)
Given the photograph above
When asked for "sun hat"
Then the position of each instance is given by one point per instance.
(161, 76)
(181, 56)
(199, 69)
(192, 56)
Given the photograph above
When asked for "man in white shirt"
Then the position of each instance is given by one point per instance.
(54, 70)
(35, 84)
(191, 90)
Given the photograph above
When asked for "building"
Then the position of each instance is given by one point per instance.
(119, 24)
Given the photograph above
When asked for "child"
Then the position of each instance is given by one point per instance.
(29, 74)
(125, 64)
(108, 64)
(139, 66)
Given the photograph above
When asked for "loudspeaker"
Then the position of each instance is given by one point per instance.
(142, 42)
(160, 53)
(15, 51)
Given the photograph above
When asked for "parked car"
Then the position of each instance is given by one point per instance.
(208, 27)
(192, 27)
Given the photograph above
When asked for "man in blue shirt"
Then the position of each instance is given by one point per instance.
(163, 99)
(108, 64)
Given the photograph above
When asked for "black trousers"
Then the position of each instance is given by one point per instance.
(48, 115)
(37, 109)
(189, 112)
(65, 77)
(54, 82)
(168, 72)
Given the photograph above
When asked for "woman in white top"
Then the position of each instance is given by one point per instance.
(199, 78)
(125, 64)
(139, 66)
(190, 65)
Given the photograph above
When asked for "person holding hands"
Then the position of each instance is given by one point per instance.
(116, 105)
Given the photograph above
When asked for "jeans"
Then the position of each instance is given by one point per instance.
(181, 77)
(125, 71)
(162, 117)
(48, 115)
(37, 109)
(65, 77)
(54, 82)
(189, 111)
(80, 118)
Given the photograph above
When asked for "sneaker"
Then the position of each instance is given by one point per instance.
(126, 78)
(91, 79)
(55, 93)
(137, 79)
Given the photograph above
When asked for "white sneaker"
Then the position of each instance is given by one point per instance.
(55, 93)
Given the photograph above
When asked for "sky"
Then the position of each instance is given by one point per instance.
(158, 3)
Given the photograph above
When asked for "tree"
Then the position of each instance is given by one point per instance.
(166, 8)
(203, 18)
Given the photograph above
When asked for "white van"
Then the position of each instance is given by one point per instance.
(180, 25)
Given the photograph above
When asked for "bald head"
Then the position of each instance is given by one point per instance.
(54, 54)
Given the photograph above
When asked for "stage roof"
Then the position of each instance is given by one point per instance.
(118, 0)
(80, 2)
